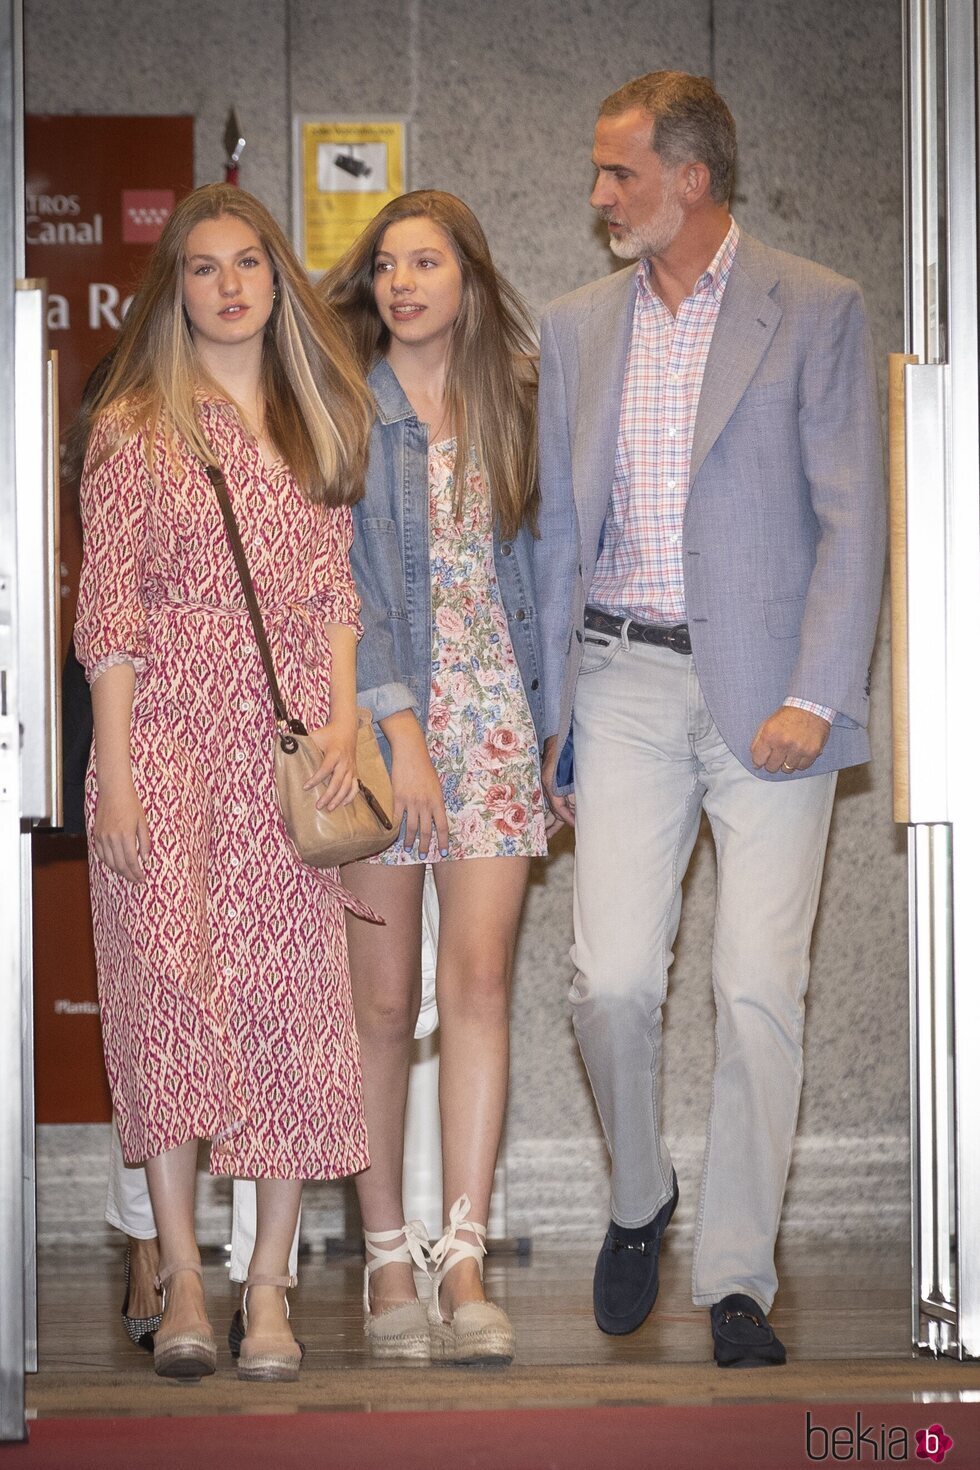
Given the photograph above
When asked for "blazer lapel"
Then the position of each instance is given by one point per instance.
(604, 337)
(747, 320)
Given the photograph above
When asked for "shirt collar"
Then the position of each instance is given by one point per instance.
(713, 279)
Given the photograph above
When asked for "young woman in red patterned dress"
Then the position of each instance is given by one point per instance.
(222, 959)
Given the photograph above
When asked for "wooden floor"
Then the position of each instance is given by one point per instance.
(843, 1313)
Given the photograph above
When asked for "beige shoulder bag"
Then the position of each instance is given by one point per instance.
(323, 839)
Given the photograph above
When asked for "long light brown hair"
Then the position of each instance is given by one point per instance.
(318, 410)
(491, 374)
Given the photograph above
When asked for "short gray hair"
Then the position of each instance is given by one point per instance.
(691, 123)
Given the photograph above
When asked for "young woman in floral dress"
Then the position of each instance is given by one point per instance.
(222, 959)
(449, 668)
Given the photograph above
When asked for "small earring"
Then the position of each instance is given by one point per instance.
(275, 294)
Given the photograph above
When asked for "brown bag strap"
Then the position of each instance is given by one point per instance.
(283, 718)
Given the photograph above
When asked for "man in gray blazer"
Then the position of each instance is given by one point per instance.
(708, 574)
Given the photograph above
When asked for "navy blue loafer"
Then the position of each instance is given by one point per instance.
(742, 1335)
(627, 1273)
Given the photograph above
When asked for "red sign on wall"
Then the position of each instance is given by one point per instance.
(98, 193)
(99, 190)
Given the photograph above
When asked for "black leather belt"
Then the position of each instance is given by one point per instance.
(677, 637)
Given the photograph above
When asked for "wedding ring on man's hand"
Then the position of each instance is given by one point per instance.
(791, 769)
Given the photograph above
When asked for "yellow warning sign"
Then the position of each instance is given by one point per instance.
(344, 172)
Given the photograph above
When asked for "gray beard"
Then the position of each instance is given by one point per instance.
(654, 238)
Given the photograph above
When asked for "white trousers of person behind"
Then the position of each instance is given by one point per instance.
(648, 760)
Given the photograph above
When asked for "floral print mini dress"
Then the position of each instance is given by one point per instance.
(480, 734)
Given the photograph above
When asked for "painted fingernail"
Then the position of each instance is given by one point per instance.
(444, 852)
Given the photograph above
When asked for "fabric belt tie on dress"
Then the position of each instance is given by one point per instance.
(676, 637)
(296, 629)
(290, 622)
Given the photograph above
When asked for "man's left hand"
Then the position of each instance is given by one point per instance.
(790, 740)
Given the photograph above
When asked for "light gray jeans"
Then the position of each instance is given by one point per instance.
(648, 759)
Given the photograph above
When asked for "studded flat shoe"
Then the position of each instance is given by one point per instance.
(140, 1330)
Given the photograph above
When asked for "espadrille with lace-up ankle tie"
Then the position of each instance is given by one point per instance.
(478, 1333)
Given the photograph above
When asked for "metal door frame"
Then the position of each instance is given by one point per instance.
(937, 774)
(30, 757)
(12, 1136)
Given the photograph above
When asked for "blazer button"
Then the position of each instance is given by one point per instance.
(520, 615)
(534, 683)
(507, 548)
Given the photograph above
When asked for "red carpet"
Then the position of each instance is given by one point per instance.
(729, 1437)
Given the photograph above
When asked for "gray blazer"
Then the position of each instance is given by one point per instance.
(784, 530)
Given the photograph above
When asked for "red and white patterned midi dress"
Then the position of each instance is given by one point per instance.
(223, 981)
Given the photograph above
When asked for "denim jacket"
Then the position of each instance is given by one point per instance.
(390, 558)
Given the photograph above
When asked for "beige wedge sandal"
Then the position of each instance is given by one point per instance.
(191, 1354)
(266, 1360)
(401, 1331)
(478, 1332)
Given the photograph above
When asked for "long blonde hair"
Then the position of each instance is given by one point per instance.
(491, 375)
(318, 410)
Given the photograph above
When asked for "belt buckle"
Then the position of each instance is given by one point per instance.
(671, 640)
